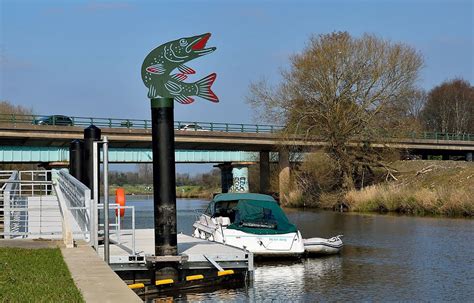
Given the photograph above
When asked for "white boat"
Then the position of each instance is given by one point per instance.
(253, 222)
(323, 246)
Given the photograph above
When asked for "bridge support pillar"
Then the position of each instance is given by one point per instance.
(226, 176)
(469, 156)
(264, 172)
(240, 178)
(284, 175)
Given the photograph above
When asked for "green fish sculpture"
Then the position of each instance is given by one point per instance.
(160, 62)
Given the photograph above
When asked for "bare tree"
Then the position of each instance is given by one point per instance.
(450, 108)
(9, 108)
(338, 89)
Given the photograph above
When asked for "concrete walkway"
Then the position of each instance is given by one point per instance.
(94, 278)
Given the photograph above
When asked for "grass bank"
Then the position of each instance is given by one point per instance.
(35, 275)
(422, 188)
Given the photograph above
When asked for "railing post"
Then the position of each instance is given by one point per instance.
(257, 128)
(96, 161)
(212, 126)
(227, 127)
(241, 128)
(110, 123)
(146, 125)
(105, 150)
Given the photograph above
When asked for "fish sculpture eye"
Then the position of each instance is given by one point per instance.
(183, 42)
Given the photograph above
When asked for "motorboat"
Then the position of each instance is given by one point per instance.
(253, 222)
(322, 246)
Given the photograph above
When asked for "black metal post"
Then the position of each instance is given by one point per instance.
(91, 134)
(226, 176)
(164, 182)
(76, 158)
(264, 172)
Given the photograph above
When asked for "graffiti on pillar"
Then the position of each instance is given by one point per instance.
(239, 185)
(160, 62)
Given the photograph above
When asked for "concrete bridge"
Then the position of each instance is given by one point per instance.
(232, 146)
(22, 134)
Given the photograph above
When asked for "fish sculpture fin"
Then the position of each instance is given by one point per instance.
(204, 88)
(173, 88)
(157, 69)
(151, 92)
(186, 70)
(184, 99)
(180, 77)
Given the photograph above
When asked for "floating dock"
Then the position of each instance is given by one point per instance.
(200, 263)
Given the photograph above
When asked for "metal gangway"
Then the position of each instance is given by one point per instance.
(53, 205)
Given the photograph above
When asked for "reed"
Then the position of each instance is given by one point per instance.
(443, 200)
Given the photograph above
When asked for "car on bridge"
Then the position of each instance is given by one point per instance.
(54, 120)
(192, 127)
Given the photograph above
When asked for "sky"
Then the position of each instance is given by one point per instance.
(83, 58)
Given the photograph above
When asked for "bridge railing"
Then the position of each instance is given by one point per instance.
(136, 123)
(196, 126)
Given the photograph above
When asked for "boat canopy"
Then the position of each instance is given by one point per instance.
(253, 213)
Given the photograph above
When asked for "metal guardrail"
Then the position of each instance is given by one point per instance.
(29, 207)
(191, 126)
(55, 205)
(78, 201)
(137, 124)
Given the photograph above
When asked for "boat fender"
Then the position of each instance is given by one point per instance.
(120, 200)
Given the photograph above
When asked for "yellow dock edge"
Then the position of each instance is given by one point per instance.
(136, 285)
(164, 281)
(188, 278)
(194, 277)
(225, 272)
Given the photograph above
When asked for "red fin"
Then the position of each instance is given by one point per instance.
(186, 69)
(204, 88)
(180, 77)
(183, 99)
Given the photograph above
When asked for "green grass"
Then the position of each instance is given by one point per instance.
(35, 275)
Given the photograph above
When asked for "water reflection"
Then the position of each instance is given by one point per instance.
(385, 258)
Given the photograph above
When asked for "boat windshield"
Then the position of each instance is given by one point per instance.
(225, 209)
(260, 217)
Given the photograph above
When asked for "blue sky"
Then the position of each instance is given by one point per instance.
(83, 58)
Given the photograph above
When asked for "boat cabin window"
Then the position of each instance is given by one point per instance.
(225, 209)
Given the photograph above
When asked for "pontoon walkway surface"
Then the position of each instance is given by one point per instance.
(198, 252)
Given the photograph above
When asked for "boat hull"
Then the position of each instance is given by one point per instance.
(261, 245)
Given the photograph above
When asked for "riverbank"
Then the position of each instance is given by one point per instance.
(421, 188)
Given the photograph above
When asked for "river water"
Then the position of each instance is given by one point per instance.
(385, 258)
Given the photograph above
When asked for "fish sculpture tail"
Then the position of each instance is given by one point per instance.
(204, 88)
